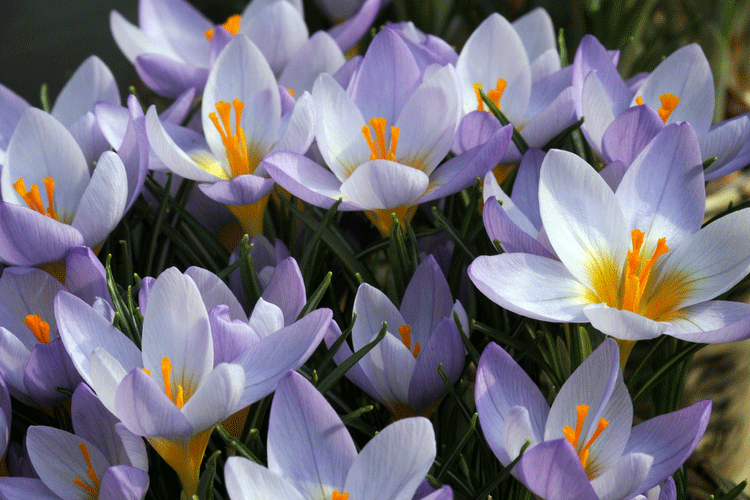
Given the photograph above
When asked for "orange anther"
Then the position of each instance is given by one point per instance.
(39, 328)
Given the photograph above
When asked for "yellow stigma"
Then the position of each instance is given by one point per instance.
(34, 200)
(405, 332)
(232, 25)
(637, 271)
(93, 488)
(378, 149)
(39, 328)
(339, 496)
(668, 103)
(574, 437)
(166, 373)
(241, 159)
(493, 95)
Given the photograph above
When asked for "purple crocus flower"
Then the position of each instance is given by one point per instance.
(584, 446)
(312, 455)
(636, 262)
(681, 88)
(401, 371)
(101, 460)
(383, 138)
(427, 49)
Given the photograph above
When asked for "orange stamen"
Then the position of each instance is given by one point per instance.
(584, 454)
(339, 496)
(493, 95)
(166, 373)
(291, 92)
(668, 103)
(405, 332)
(34, 200)
(570, 435)
(232, 25)
(147, 371)
(378, 149)
(92, 490)
(639, 100)
(235, 145)
(637, 272)
(39, 328)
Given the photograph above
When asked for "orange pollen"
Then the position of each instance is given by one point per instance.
(291, 92)
(668, 103)
(232, 25)
(639, 100)
(339, 496)
(379, 151)
(34, 200)
(574, 436)
(405, 332)
(637, 271)
(166, 373)
(39, 328)
(92, 490)
(493, 95)
(147, 371)
(235, 144)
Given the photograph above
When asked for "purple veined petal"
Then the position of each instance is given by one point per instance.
(629, 133)
(444, 346)
(384, 184)
(427, 300)
(596, 109)
(25, 291)
(85, 130)
(474, 129)
(728, 141)
(552, 470)
(542, 68)
(231, 337)
(427, 49)
(501, 385)
(58, 460)
(6, 414)
(106, 373)
(686, 74)
(621, 324)
(135, 152)
(91, 82)
(179, 109)
(267, 318)
(180, 25)
(668, 490)
(133, 41)
(22, 488)
(268, 360)
(388, 71)
(134, 448)
(49, 367)
(323, 451)
(537, 287)
(624, 477)
(305, 179)
(338, 124)
(517, 430)
(526, 186)
(589, 236)
(390, 366)
(598, 384)
(147, 283)
(592, 56)
(85, 276)
(319, 54)
(216, 398)
(372, 307)
(444, 493)
(512, 237)
(145, 410)
(663, 191)
(542, 127)
(176, 327)
(169, 77)
(286, 289)
(113, 121)
(279, 31)
(537, 32)
(394, 462)
(613, 174)
(13, 358)
(247, 480)
(242, 190)
(297, 129)
(241, 72)
(670, 439)
(12, 106)
(83, 330)
(349, 31)
(355, 373)
(714, 322)
(214, 292)
(123, 482)
(103, 202)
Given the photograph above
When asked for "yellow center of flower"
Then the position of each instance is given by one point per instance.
(92, 487)
(668, 103)
(34, 200)
(378, 147)
(39, 328)
(242, 160)
(339, 496)
(493, 95)
(232, 25)
(405, 332)
(574, 436)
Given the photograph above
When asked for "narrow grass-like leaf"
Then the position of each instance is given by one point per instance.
(519, 141)
(206, 481)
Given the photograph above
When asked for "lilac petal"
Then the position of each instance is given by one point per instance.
(596, 108)
(536, 32)
(384, 184)
(552, 470)
(668, 490)
(92, 82)
(49, 367)
(179, 109)
(517, 429)
(135, 152)
(663, 192)
(501, 385)
(713, 322)
(214, 292)
(444, 493)
(670, 439)
(123, 482)
(85, 276)
(12, 106)
(267, 361)
(24, 291)
(348, 32)
(133, 41)
(169, 77)
(511, 236)
(266, 318)
(278, 30)
(319, 54)
(389, 72)
(372, 308)
(145, 410)
(621, 324)
(613, 174)
(427, 300)
(89, 137)
(427, 49)
(242, 190)
(444, 347)
(526, 186)
(474, 129)
(13, 358)
(543, 126)
(146, 284)
(23, 488)
(355, 373)
(231, 337)
(323, 452)
(303, 178)
(629, 133)
(624, 478)
(297, 128)
(394, 462)
(390, 367)
(286, 289)
(216, 398)
(530, 285)
(179, 24)
(728, 142)
(592, 56)
(247, 480)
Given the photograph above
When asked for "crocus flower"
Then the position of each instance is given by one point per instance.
(427, 49)
(681, 88)
(636, 262)
(518, 67)
(401, 371)
(383, 138)
(312, 455)
(227, 159)
(584, 446)
(101, 460)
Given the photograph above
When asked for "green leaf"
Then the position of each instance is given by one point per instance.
(519, 141)
(206, 481)
(317, 296)
(235, 443)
